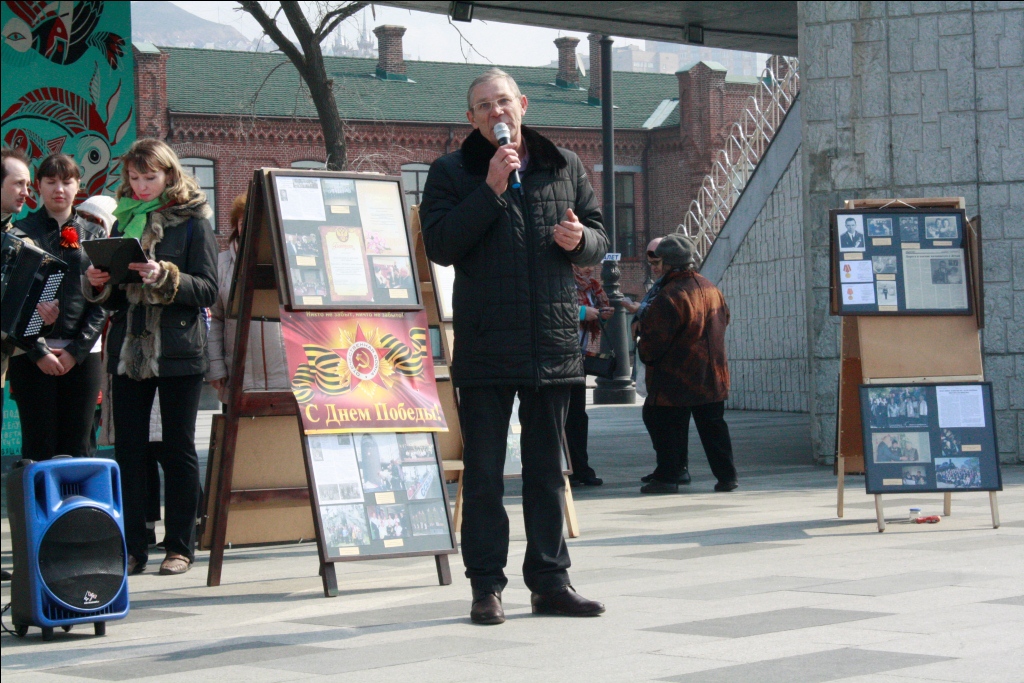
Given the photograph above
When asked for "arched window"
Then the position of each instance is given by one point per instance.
(309, 163)
(414, 177)
(202, 171)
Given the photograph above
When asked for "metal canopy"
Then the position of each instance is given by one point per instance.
(752, 26)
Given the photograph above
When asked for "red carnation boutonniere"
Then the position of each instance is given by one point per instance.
(69, 238)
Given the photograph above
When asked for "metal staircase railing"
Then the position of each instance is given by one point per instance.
(747, 142)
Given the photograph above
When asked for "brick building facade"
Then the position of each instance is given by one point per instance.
(227, 113)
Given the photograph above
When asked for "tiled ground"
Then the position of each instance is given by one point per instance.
(764, 584)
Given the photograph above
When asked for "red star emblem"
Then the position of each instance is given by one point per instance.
(363, 360)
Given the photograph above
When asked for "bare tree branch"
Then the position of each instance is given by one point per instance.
(269, 27)
(331, 20)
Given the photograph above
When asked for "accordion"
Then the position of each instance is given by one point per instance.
(29, 276)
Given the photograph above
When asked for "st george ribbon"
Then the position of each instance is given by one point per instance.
(362, 371)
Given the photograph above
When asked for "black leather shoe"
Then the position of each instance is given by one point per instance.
(726, 486)
(656, 486)
(591, 480)
(487, 608)
(5, 575)
(565, 602)
(684, 478)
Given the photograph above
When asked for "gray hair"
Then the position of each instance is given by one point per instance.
(491, 74)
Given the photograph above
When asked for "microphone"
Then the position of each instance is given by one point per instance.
(504, 137)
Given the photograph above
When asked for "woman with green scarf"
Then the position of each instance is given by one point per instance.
(157, 341)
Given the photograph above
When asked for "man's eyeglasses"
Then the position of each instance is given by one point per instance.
(502, 103)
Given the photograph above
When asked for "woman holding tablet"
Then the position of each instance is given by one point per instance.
(157, 340)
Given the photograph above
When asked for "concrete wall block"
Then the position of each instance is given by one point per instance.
(871, 140)
(869, 10)
(1016, 389)
(905, 93)
(868, 30)
(1011, 44)
(1013, 155)
(934, 93)
(999, 367)
(1015, 93)
(1000, 393)
(926, 7)
(841, 11)
(998, 266)
(993, 337)
(991, 89)
(1020, 439)
(987, 30)
(1018, 268)
(815, 41)
(906, 144)
(926, 47)
(959, 6)
(898, 9)
(1006, 430)
(847, 168)
(840, 62)
(844, 102)
(955, 24)
(993, 137)
(957, 131)
(902, 37)
(811, 13)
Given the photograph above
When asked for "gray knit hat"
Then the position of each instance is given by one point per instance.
(677, 251)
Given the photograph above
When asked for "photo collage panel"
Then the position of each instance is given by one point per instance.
(345, 241)
(929, 437)
(899, 262)
(379, 493)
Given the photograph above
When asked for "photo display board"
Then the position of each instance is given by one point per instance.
(929, 437)
(379, 494)
(345, 240)
(899, 261)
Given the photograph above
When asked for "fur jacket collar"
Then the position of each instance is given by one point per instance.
(478, 150)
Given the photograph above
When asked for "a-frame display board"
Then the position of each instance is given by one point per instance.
(880, 349)
(334, 457)
(436, 283)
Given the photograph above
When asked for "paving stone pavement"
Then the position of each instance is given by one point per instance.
(763, 584)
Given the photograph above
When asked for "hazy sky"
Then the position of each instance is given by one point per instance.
(430, 36)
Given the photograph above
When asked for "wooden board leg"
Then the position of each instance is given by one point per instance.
(330, 579)
(840, 484)
(878, 513)
(947, 504)
(571, 523)
(444, 571)
(994, 504)
(457, 515)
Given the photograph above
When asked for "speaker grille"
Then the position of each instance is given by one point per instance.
(81, 558)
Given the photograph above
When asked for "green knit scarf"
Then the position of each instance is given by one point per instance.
(132, 214)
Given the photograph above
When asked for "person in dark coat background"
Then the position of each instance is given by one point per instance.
(516, 323)
(682, 343)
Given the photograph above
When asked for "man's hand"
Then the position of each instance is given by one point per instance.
(504, 161)
(48, 311)
(569, 232)
(97, 278)
(50, 365)
(66, 360)
(591, 313)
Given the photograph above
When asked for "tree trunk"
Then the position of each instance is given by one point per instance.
(321, 90)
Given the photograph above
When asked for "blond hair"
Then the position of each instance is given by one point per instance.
(493, 74)
(150, 154)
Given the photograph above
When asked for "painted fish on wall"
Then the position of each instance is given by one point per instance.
(61, 31)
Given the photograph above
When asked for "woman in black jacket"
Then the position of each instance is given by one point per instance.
(55, 384)
(157, 340)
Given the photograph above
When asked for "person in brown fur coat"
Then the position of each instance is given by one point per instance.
(682, 343)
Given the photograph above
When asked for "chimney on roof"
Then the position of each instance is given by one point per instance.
(568, 74)
(390, 63)
(594, 94)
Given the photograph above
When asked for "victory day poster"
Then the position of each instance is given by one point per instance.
(362, 371)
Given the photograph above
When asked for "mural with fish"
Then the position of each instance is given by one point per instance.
(68, 85)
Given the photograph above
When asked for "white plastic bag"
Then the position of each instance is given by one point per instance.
(641, 376)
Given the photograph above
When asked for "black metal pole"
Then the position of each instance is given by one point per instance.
(620, 388)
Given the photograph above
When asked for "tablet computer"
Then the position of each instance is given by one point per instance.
(113, 256)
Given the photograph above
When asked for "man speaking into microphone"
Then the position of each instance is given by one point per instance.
(516, 322)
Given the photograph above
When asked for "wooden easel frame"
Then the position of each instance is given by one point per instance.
(870, 354)
(256, 292)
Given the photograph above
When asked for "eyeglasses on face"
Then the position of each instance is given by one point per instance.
(502, 103)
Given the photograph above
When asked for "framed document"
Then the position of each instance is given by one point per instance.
(444, 287)
(900, 261)
(379, 494)
(929, 437)
(344, 240)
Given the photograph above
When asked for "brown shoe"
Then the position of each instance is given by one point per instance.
(175, 564)
(487, 608)
(565, 602)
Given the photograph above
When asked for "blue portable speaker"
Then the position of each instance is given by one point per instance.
(67, 537)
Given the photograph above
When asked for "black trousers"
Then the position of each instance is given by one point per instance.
(485, 413)
(577, 426)
(56, 413)
(179, 403)
(669, 428)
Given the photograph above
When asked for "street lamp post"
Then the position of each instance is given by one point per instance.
(620, 388)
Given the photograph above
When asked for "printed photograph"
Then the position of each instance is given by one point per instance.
(898, 408)
(379, 460)
(341, 202)
(428, 519)
(949, 442)
(392, 272)
(946, 272)
(958, 473)
(879, 227)
(901, 447)
(851, 233)
(886, 293)
(415, 447)
(914, 475)
(910, 229)
(308, 282)
(329, 493)
(883, 265)
(302, 245)
(388, 521)
(344, 525)
(940, 228)
(421, 482)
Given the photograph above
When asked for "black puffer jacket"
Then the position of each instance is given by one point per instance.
(516, 312)
(79, 320)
